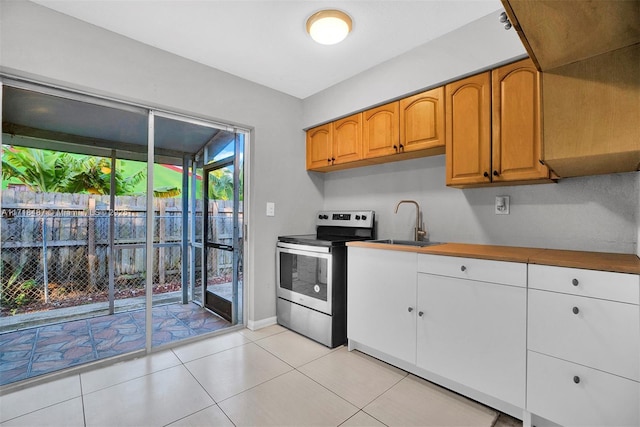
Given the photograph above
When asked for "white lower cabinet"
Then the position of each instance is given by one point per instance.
(562, 344)
(474, 333)
(574, 395)
(381, 300)
(469, 332)
(589, 331)
(583, 365)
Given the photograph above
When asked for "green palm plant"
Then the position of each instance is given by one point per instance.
(221, 185)
(93, 175)
(40, 170)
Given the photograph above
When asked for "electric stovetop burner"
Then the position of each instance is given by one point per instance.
(336, 228)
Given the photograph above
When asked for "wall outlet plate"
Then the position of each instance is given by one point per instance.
(502, 205)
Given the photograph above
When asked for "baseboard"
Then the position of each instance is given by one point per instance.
(259, 324)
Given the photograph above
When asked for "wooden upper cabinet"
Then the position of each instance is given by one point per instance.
(557, 33)
(335, 143)
(319, 141)
(380, 136)
(592, 115)
(422, 120)
(516, 137)
(468, 130)
(347, 139)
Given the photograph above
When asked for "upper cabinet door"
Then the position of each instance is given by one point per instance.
(319, 140)
(516, 138)
(380, 131)
(422, 120)
(468, 135)
(347, 139)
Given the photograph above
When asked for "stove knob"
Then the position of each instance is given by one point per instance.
(319, 216)
(364, 217)
(357, 217)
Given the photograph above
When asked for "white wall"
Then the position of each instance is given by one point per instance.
(39, 43)
(597, 213)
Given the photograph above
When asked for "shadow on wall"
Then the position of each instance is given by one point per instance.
(596, 213)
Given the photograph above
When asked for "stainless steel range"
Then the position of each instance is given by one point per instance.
(312, 275)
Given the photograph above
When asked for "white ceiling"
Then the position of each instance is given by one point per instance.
(265, 41)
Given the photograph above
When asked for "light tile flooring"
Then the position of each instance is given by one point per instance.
(270, 377)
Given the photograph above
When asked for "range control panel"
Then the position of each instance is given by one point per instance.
(346, 218)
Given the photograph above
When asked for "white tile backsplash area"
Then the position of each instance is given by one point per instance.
(596, 213)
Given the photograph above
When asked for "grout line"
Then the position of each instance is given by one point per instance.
(33, 352)
(84, 412)
(366, 413)
(94, 347)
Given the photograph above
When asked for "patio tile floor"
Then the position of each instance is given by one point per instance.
(43, 349)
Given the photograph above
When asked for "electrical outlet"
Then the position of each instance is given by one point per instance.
(502, 205)
(271, 209)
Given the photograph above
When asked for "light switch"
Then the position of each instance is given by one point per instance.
(271, 209)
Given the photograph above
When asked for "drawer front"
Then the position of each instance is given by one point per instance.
(597, 399)
(620, 287)
(602, 334)
(507, 273)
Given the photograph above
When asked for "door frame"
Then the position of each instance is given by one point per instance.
(236, 247)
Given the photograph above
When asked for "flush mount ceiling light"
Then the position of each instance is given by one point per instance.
(329, 26)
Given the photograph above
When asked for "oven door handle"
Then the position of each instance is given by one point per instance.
(299, 249)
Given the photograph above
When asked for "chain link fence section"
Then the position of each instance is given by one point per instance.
(55, 248)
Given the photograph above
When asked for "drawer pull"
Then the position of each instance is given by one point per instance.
(463, 268)
(575, 282)
(576, 310)
(410, 309)
(420, 313)
(576, 379)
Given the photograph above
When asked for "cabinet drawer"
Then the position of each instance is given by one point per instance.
(597, 399)
(602, 334)
(591, 283)
(508, 273)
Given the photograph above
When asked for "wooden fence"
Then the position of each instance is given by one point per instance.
(63, 239)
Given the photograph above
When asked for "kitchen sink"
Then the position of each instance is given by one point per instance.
(420, 244)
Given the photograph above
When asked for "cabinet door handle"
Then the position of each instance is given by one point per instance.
(575, 282)
(401, 147)
(576, 379)
(495, 173)
(576, 310)
(410, 309)
(486, 174)
(463, 268)
(328, 160)
(395, 147)
(420, 313)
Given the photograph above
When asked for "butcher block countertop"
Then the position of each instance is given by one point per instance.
(604, 261)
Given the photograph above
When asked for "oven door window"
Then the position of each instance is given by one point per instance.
(304, 277)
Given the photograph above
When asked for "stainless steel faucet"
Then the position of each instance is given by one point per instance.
(419, 233)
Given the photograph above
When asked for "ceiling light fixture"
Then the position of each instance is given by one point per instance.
(329, 26)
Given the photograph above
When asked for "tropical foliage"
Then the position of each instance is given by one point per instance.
(94, 176)
(48, 171)
(221, 184)
(41, 170)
